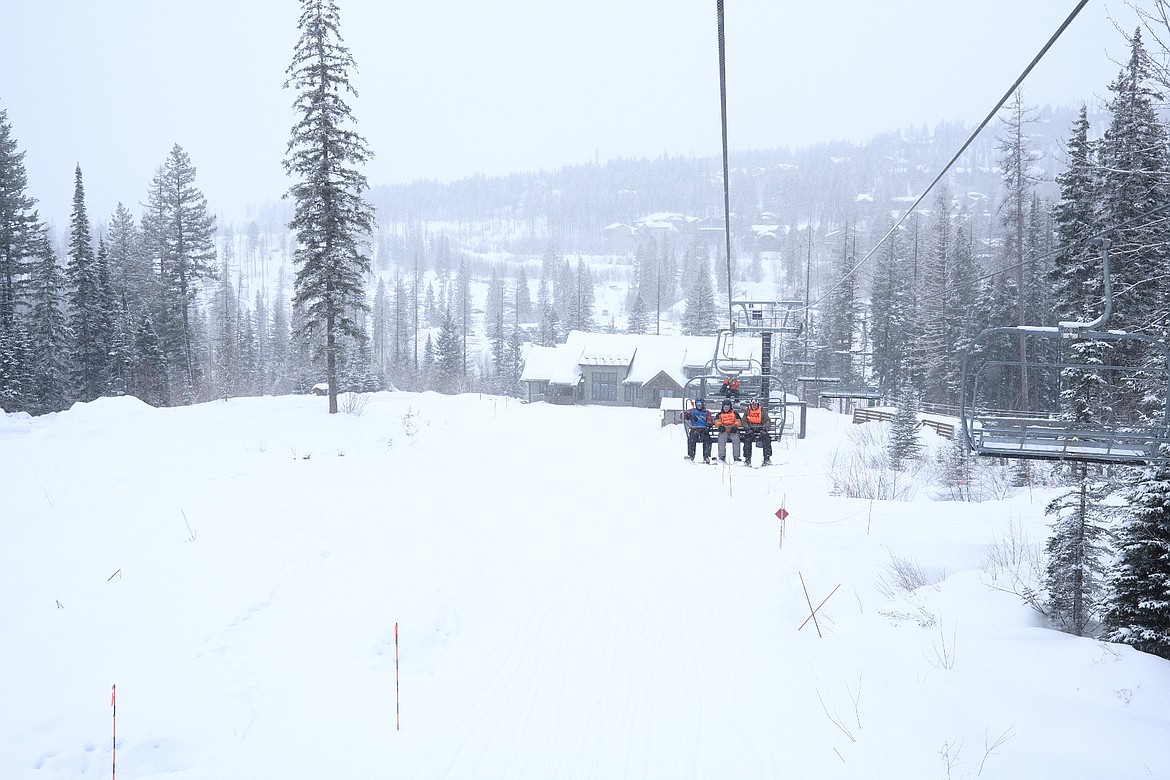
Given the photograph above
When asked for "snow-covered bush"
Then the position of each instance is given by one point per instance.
(1015, 564)
(863, 468)
(958, 475)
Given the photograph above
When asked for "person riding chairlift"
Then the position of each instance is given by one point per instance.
(756, 423)
(730, 387)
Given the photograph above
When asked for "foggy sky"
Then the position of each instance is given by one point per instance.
(449, 88)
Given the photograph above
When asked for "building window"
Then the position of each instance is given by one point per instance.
(605, 385)
(630, 393)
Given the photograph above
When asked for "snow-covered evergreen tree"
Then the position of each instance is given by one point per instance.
(281, 339)
(20, 228)
(514, 362)
(450, 364)
(148, 375)
(523, 302)
(939, 329)
(89, 356)
(840, 320)
(579, 306)
(699, 317)
(226, 365)
(904, 442)
(637, 321)
(1077, 275)
(331, 218)
(180, 234)
(1077, 555)
(1138, 613)
(891, 291)
(49, 336)
(381, 328)
(1134, 162)
(460, 308)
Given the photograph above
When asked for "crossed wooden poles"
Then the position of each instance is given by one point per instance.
(813, 610)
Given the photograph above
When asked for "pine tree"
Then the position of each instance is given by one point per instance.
(1139, 605)
(431, 307)
(381, 335)
(514, 351)
(666, 281)
(134, 287)
(20, 228)
(180, 234)
(280, 337)
(450, 366)
(1077, 278)
(330, 218)
(90, 352)
(637, 322)
(427, 367)
(1077, 549)
(49, 336)
(460, 306)
(443, 256)
(937, 341)
(891, 290)
(840, 321)
(404, 324)
(224, 338)
(107, 319)
(523, 297)
(148, 371)
(904, 442)
(579, 304)
(262, 339)
(699, 317)
(1134, 162)
(17, 380)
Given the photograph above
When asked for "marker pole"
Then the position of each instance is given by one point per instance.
(114, 748)
(397, 699)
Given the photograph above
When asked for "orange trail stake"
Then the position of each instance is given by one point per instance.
(397, 699)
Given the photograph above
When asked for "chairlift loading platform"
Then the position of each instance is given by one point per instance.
(1117, 433)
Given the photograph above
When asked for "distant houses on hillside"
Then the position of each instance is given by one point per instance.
(620, 237)
(615, 369)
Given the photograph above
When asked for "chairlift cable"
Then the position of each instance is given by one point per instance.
(958, 154)
(723, 124)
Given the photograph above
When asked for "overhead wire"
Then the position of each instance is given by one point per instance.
(723, 125)
(991, 115)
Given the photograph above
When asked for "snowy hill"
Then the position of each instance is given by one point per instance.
(572, 599)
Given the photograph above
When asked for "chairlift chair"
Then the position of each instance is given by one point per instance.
(1119, 430)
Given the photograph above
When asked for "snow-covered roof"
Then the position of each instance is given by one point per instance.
(602, 349)
(539, 364)
(643, 356)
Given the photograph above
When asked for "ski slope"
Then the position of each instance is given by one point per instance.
(573, 600)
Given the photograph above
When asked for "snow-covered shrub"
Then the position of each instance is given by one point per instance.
(903, 575)
(863, 468)
(1014, 564)
(354, 403)
(958, 475)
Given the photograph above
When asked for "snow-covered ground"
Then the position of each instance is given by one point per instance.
(573, 600)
